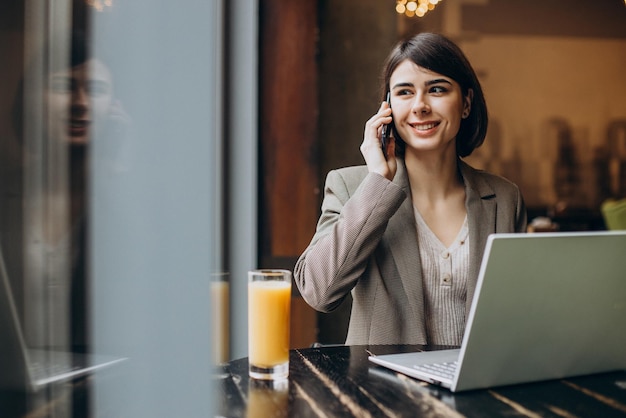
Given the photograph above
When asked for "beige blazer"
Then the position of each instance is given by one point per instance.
(366, 243)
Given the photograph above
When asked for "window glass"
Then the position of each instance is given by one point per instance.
(111, 218)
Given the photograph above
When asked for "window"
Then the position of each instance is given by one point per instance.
(122, 164)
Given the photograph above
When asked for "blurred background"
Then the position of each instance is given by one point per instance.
(219, 121)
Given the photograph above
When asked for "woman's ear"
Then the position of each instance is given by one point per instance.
(467, 103)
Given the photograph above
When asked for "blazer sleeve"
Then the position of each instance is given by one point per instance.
(353, 220)
(521, 216)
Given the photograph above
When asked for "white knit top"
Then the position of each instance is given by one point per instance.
(445, 272)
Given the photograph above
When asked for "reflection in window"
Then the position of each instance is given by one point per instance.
(111, 195)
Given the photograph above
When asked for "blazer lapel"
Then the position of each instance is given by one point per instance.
(402, 239)
(481, 208)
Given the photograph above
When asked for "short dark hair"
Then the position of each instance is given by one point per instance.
(437, 53)
(79, 53)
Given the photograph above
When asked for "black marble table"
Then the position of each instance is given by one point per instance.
(339, 381)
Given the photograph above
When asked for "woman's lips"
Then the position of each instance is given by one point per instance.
(425, 127)
(78, 127)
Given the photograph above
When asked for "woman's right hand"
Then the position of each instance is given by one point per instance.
(371, 146)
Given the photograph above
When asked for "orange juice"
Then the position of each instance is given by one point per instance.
(267, 400)
(220, 320)
(269, 303)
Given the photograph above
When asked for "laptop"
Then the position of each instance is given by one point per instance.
(546, 306)
(26, 369)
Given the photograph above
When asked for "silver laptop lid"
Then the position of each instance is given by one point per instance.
(13, 357)
(547, 306)
(26, 369)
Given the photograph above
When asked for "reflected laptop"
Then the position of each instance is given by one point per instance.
(27, 369)
(546, 306)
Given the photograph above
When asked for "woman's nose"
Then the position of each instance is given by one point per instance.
(80, 97)
(420, 104)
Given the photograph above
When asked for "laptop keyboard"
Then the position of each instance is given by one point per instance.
(445, 370)
(52, 369)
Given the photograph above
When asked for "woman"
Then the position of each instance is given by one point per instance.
(78, 108)
(406, 233)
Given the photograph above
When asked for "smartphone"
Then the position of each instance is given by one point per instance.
(386, 129)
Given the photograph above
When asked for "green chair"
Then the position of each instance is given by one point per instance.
(614, 213)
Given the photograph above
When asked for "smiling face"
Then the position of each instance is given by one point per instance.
(79, 99)
(427, 108)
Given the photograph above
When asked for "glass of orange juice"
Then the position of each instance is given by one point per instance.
(269, 304)
(220, 307)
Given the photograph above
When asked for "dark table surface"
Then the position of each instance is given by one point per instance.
(339, 381)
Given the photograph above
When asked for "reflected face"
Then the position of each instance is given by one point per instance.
(427, 108)
(79, 100)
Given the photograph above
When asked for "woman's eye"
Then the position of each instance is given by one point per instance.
(98, 88)
(438, 89)
(61, 85)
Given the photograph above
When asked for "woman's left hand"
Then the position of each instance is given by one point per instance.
(371, 146)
